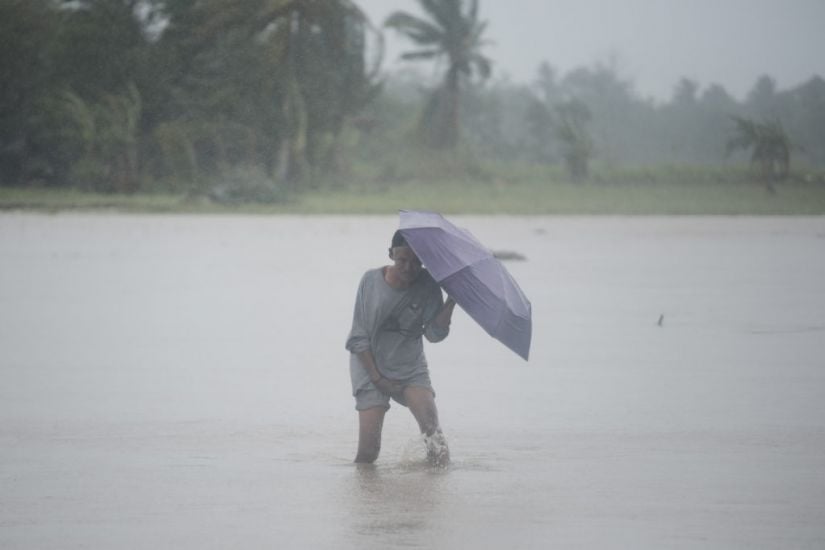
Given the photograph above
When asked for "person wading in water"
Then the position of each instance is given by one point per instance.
(395, 306)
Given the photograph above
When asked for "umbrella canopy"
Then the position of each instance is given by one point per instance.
(476, 280)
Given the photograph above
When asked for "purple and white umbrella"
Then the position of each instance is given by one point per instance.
(475, 279)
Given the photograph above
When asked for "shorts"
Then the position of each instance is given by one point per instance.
(370, 396)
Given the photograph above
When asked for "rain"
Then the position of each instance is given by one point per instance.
(190, 193)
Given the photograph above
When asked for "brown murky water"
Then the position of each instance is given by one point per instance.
(181, 382)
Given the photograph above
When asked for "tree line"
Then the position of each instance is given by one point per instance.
(592, 113)
(114, 94)
(127, 95)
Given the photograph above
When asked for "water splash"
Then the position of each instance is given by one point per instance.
(426, 451)
(438, 454)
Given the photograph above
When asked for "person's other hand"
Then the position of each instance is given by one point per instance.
(387, 386)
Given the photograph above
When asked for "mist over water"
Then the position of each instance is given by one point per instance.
(181, 381)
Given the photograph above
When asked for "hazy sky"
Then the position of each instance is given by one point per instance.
(653, 42)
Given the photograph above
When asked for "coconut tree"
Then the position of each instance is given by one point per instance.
(769, 144)
(304, 65)
(450, 31)
(328, 77)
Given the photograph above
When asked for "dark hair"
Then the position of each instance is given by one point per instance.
(398, 240)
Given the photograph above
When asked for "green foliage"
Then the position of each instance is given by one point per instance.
(245, 186)
(262, 99)
(537, 191)
(672, 174)
(422, 164)
(453, 33)
(326, 79)
(540, 125)
(102, 46)
(175, 90)
(573, 117)
(27, 35)
(769, 144)
(105, 134)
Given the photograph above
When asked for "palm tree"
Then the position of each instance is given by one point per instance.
(450, 31)
(318, 72)
(770, 144)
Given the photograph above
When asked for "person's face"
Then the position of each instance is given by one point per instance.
(407, 263)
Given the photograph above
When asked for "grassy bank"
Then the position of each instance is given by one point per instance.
(490, 197)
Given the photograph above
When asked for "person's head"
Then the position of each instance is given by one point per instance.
(407, 264)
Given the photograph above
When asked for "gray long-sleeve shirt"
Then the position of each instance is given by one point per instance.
(390, 322)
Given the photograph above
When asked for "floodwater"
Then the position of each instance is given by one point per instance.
(181, 382)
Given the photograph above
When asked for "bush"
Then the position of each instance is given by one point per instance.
(245, 186)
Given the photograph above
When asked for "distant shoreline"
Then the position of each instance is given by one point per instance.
(483, 198)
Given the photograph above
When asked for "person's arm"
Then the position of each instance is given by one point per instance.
(359, 336)
(358, 342)
(368, 362)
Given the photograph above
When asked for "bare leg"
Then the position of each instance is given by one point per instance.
(422, 405)
(370, 423)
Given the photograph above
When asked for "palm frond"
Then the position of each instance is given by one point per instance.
(744, 135)
(447, 13)
(418, 30)
(421, 54)
(483, 64)
(476, 32)
(472, 13)
(770, 145)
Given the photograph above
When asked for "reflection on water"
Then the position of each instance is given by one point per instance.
(398, 503)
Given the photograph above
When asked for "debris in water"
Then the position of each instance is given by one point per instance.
(505, 255)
